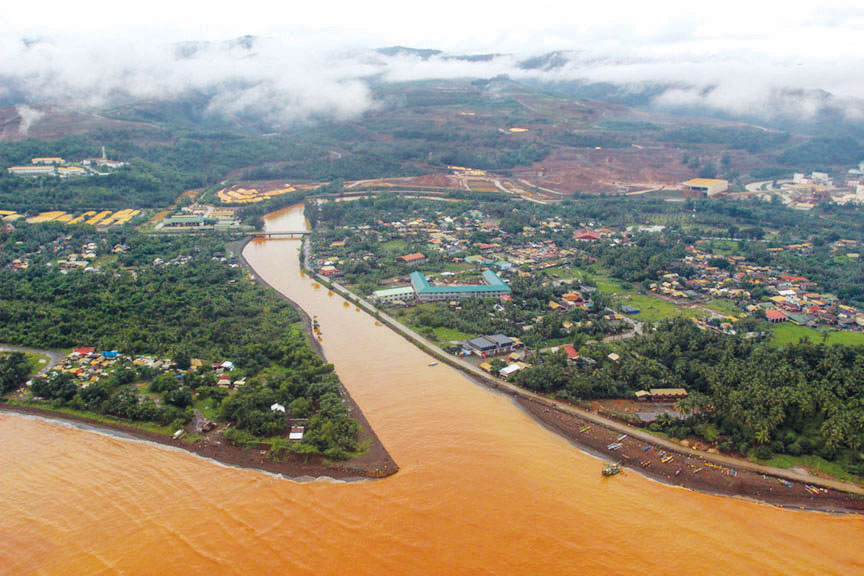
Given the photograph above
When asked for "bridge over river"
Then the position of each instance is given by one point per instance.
(281, 234)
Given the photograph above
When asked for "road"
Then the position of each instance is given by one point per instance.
(432, 348)
(55, 356)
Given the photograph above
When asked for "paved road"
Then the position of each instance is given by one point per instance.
(631, 431)
(55, 356)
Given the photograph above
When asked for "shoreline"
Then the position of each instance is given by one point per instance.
(375, 463)
(688, 468)
(294, 467)
(697, 471)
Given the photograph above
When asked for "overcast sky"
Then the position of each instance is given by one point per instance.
(745, 50)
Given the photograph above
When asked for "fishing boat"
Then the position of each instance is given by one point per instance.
(584, 429)
(614, 446)
(610, 469)
(621, 437)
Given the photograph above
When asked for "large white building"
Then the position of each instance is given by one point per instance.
(32, 170)
(706, 186)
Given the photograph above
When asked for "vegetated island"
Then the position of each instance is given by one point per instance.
(170, 340)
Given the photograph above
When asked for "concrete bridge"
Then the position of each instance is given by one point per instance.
(284, 234)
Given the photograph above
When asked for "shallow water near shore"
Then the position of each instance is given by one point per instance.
(482, 489)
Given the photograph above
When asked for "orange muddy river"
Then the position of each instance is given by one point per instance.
(483, 489)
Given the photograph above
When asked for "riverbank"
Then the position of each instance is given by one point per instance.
(376, 462)
(215, 447)
(689, 468)
(700, 471)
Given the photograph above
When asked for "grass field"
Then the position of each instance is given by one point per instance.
(651, 309)
(787, 333)
(723, 306)
(35, 361)
(654, 309)
(811, 462)
(564, 273)
(394, 246)
(444, 334)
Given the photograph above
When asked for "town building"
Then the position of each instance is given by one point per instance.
(391, 295)
(32, 170)
(412, 258)
(490, 345)
(705, 186)
(425, 292)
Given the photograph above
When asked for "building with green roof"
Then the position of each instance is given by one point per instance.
(492, 288)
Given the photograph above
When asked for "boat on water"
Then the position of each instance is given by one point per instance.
(614, 446)
(610, 469)
(432, 364)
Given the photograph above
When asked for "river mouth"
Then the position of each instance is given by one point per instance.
(482, 489)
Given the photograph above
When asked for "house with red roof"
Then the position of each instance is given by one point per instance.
(412, 258)
(775, 316)
(586, 234)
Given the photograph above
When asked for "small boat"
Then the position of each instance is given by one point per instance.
(666, 459)
(646, 448)
(610, 469)
(432, 364)
(584, 429)
(621, 437)
(784, 482)
(614, 446)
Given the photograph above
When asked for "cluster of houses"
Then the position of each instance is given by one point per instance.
(789, 297)
(61, 253)
(88, 365)
(805, 192)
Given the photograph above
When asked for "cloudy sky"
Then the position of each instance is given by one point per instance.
(313, 59)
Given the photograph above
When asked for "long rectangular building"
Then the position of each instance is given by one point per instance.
(493, 288)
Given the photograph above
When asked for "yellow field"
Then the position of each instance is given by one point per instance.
(104, 218)
(45, 217)
(250, 195)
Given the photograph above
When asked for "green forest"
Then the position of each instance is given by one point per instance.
(180, 298)
(800, 399)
